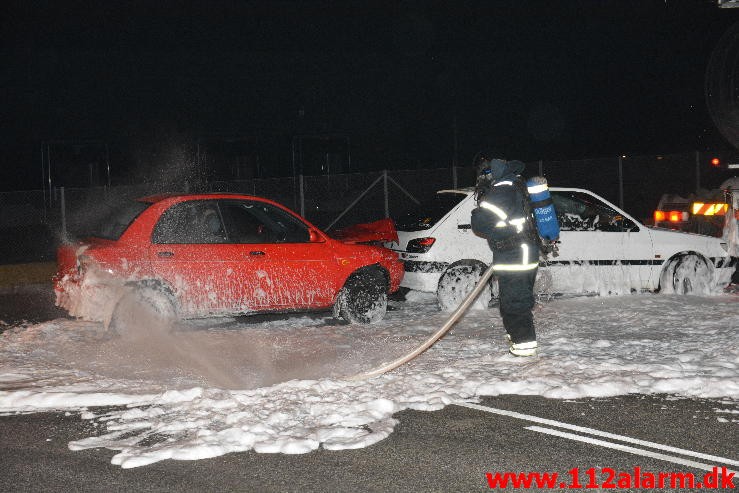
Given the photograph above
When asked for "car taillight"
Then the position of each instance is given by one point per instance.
(670, 216)
(677, 216)
(420, 245)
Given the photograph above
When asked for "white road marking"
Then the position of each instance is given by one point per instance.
(605, 434)
(623, 448)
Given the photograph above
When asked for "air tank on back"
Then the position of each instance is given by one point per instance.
(543, 207)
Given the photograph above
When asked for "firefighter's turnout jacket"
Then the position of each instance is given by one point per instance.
(503, 217)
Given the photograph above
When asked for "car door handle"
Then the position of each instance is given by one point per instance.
(464, 226)
(256, 252)
(165, 254)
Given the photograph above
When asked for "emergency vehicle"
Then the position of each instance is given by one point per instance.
(705, 212)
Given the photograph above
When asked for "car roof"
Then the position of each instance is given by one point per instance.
(466, 190)
(469, 190)
(153, 199)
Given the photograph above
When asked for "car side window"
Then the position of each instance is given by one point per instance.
(195, 222)
(581, 212)
(259, 222)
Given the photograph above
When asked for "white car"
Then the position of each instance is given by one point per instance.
(602, 250)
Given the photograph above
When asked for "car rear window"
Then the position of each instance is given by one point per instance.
(115, 219)
(429, 212)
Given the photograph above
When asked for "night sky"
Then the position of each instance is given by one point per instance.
(402, 80)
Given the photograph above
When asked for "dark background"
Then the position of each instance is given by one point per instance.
(393, 84)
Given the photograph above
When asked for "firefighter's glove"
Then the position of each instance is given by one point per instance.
(553, 248)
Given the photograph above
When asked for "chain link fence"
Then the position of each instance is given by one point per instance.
(33, 222)
(27, 232)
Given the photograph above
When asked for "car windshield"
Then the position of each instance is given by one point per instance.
(429, 212)
(114, 219)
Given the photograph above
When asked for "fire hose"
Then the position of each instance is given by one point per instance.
(453, 318)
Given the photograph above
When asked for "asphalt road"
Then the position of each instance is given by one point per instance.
(447, 450)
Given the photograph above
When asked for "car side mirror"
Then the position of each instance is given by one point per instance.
(314, 236)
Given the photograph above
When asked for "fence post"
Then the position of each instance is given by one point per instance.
(63, 205)
(385, 192)
(621, 182)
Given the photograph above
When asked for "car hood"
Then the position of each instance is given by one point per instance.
(673, 233)
(377, 231)
(712, 245)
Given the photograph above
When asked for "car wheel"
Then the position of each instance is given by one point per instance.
(686, 274)
(142, 310)
(363, 299)
(458, 281)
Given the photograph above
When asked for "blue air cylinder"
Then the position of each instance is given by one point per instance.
(543, 207)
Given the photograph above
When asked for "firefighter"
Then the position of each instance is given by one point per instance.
(503, 216)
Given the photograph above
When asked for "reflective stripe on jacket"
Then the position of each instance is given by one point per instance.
(510, 264)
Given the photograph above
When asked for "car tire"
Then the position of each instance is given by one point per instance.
(686, 274)
(142, 310)
(458, 281)
(363, 299)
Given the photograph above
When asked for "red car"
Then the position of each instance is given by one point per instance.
(200, 255)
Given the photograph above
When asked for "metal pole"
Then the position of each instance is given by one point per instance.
(454, 177)
(64, 213)
(384, 187)
(541, 167)
(294, 173)
(302, 195)
(43, 174)
(349, 151)
(293, 156)
(48, 170)
(107, 162)
(455, 161)
(620, 182)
